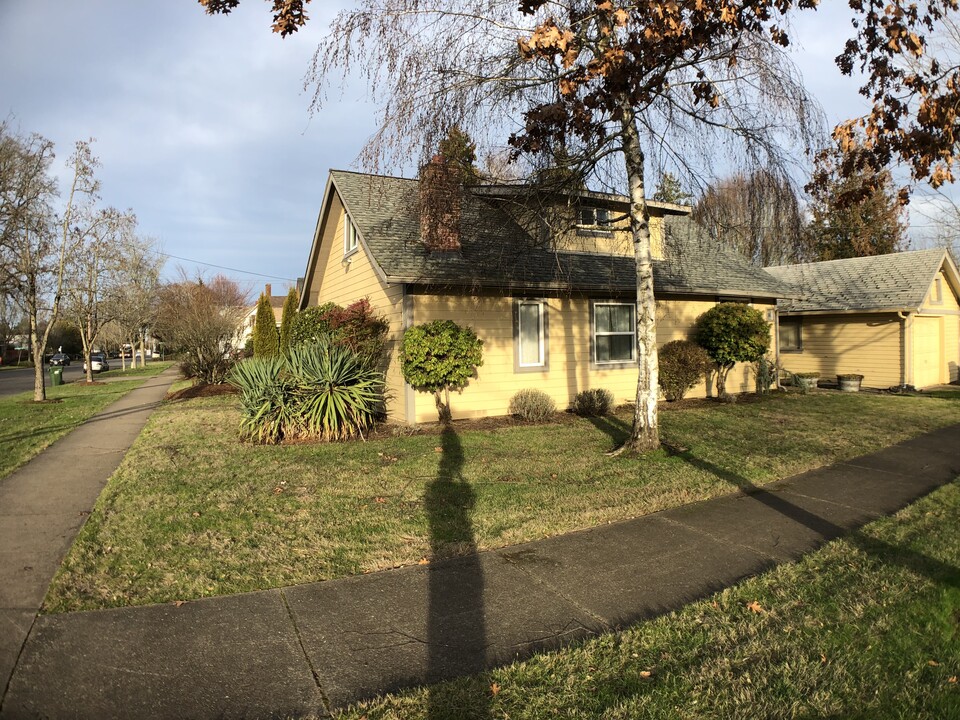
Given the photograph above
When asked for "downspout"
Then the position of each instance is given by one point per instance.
(906, 342)
(776, 346)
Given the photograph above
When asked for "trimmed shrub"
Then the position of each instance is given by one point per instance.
(682, 365)
(356, 326)
(311, 324)
(593, 403)
(440, 356)
(266, 341)
(322, 390)
(732, 333)
(287, 318)
(532, 405)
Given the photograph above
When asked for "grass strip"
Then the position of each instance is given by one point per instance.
(192, 512)
(865, 628)
(27, 427)
(152, 369)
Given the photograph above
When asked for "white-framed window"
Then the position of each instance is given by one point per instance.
(349, 236)
(530, 334)
(593, 217)
(791, 335)
(936, 292)
(614, 333)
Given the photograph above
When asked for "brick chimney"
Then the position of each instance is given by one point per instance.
(267, 292)
(441, 202)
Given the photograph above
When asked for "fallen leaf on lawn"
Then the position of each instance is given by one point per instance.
(196, 514)
(438, 449)
(423, 561)
(380, 500)
(756, 607)
(933, 663)
(494, 688)
(645, 673)
(178, 603)
(823, 659)
(953, 679)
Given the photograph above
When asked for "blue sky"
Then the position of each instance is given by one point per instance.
(202, 123)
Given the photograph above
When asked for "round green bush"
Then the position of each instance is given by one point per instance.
(532, 405)
(440, 356)
(732, 333)
(682, 365)
(593, 403)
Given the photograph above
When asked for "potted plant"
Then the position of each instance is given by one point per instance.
(849, 382)
(806, 380)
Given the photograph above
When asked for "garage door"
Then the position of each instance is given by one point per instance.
(927, 351)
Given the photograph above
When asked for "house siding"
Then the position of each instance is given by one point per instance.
(336, 280)
(568, 347)
(937, 337)
(868, 344)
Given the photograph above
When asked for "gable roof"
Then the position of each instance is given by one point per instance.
(894, 282)
(496, 252)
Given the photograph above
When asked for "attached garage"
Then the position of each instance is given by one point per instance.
(895, 319)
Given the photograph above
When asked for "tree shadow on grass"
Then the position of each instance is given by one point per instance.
(456, 629)
(613, 427)
(919, 563)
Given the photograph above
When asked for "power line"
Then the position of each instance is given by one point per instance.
(224, 267)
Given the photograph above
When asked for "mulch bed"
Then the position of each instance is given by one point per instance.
(201, 391)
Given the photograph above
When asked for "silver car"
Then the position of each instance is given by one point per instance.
(98, 363)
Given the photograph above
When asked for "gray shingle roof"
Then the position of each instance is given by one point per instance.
(497, 252)
(898, 281)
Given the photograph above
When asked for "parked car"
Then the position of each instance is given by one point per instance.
(98, 363)
(60, 359)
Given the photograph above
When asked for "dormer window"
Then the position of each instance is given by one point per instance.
(596, 218)
(349, 236)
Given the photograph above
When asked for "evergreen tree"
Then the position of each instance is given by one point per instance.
(856, 215)
(286, 320)
(266, 341)
(670, 190)
(460, 152)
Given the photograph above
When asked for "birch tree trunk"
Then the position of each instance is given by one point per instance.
(645, 434)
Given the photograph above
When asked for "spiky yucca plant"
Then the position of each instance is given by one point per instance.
(338, 395)
(265, 398)
(322, 390)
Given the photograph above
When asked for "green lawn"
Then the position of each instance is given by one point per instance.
(27, 427)
(193, 512)
(152, 369)
(866, 628)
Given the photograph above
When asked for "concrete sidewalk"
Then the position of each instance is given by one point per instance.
(314, 648)
(44, 503)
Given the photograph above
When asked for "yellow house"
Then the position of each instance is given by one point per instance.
(548, 284)
(895, 319)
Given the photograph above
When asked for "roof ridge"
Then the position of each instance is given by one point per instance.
(865, 258)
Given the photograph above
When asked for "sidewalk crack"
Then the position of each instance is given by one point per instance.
(306, 656)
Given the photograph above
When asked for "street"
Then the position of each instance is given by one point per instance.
(21, 379)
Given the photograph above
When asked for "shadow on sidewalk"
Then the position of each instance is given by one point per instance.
(929, 567)
(456, 631)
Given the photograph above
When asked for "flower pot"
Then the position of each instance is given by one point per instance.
(808, 383)
(849, 383)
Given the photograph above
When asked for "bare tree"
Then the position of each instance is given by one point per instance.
(96, 275)
(198, 318)
(134, 308)
(34, 243)
(758, 215)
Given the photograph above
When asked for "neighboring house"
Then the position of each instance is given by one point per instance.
(895, 319)
(549, 286)
(245, 331)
